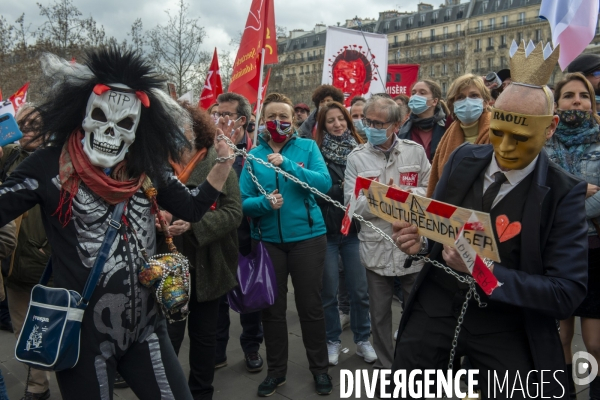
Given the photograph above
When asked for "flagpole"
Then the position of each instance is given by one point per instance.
(259, 97)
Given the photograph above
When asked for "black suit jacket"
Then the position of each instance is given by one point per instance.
(551, 280)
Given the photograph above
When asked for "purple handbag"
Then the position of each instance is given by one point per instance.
(257, 287)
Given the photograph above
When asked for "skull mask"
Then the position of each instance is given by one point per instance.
(111, 120)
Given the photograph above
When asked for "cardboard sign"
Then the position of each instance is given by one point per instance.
(437, 221)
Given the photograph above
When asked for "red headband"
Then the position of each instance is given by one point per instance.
(100, 88)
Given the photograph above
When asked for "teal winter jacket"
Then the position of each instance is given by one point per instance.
(299, 218)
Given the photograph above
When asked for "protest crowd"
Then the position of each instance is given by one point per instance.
(164, 214)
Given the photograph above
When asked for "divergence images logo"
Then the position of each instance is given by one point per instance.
(585, 368)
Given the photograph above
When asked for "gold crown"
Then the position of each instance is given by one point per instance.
(534, 65)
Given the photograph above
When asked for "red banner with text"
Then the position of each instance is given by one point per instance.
(400, 78)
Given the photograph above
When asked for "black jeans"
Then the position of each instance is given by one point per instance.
(202, 330)
(304, 262)
(252, 331)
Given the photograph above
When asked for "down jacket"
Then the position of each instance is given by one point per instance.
(407, 158)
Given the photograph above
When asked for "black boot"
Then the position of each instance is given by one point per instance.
(572, 390)
(595, 389)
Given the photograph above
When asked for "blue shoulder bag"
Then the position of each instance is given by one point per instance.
(49, 339)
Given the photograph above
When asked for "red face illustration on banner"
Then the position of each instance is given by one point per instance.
(351, 72)
(349, 77)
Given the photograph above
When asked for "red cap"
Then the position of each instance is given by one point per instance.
(302, 106)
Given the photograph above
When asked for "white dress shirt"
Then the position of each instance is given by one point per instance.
(513, 178)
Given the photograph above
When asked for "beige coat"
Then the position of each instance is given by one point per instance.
(377, 254)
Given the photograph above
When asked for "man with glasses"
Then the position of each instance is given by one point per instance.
(239, 111)
(388, 160)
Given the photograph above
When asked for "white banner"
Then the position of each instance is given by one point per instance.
(355, 62)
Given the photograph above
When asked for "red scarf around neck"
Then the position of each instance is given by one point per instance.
(75, 167)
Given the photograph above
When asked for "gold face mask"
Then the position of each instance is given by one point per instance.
(517, 138)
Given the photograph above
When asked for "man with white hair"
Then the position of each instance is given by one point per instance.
(389, 160)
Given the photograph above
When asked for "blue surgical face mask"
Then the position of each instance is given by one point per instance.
(359, 125)
(418, 104)
(468, 110)
(376, 136)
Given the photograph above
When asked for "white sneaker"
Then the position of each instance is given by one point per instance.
(396, 335)
(344, 321)
(366, 351)
(333, 351)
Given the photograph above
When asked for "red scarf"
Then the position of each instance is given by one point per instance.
(75, 167)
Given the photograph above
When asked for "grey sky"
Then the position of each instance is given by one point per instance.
(222, 19)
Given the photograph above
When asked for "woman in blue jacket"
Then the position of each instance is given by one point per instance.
(291, 226)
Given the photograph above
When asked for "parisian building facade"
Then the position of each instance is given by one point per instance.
(469, 36)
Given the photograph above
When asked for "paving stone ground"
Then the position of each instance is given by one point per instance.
(233, 382)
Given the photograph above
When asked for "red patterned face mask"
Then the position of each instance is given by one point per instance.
(279, 130)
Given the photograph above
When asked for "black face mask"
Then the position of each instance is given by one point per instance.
(251, 127)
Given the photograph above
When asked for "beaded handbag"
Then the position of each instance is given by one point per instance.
(168, 274)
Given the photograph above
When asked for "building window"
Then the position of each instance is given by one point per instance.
(434, 17)
(422, 19)
(444, 88)
(444, 70)
(445, 49)
(317, 38)
(301, 70)
(432, 50)
(477, 44)
(395, 39)
(407, 38)
(503, 41)
(479, 26)
(445, 32)
(521, 18)
(538, 35)
(419, 35)
(398, 23)
(432, 34)
(502, 62)
(386, 27)
(490, 43)
(457, 68)
(492, 24)
(307, 54)
(419, 53)
(410, 22)
(432, 71)
(490, 63)
(504, 21)
(448, 14)
(477, 65)
(485, 4)
(519, 37)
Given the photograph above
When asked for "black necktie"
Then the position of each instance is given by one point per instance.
(492, 191)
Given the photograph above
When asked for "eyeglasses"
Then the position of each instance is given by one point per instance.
(375, 124)
(223, 114)
(595, 74)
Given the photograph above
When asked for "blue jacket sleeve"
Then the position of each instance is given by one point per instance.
(562, 287)
(315, 174)
(254, 203)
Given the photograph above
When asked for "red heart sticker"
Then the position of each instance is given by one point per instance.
(505, 229)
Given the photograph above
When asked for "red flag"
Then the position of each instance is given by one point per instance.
(259, 33)
(400, 78)
(213, 86)
(19, 97)
(264, 90)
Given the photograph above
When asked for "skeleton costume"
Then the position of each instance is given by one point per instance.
(129, 132)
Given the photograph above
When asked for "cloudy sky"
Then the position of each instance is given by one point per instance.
(222, 19)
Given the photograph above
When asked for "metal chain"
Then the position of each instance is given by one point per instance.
(472, 293)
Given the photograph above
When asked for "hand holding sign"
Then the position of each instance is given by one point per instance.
(407, 237)
(454, 260)
(435, 220)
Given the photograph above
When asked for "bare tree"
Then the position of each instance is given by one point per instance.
(175, 49)
(64, 28)
(137, 36)
(7, 36)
